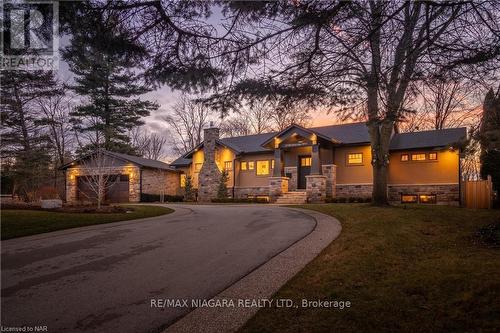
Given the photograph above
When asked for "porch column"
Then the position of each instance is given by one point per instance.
(277, 163)
(315, 168)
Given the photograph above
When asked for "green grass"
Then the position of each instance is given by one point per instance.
(18, 223)
(419, 269)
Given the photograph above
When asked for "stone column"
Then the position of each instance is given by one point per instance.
(330, 171)
(315, 168)
(277, 171)
(209, 176)
(277, 186)
(316, 188)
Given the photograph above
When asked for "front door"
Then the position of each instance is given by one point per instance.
(304, 170)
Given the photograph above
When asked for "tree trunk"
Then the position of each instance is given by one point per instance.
(380, 137)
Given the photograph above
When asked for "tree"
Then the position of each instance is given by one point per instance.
(186, 119)
(222, 187)
(106, 65)
(188, 189)
(319, 53)
(489, 137)
(24, 139)
(148, 145)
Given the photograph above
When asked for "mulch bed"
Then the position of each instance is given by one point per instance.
(109, 209)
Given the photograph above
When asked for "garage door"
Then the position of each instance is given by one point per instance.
(117, 192)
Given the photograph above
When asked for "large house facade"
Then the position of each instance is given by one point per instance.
(294, 165)
(329, 161)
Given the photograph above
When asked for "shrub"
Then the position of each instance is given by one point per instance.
(222, 188)
(146, 197)
(189, 194)
(240, 200)
(47, 192)
(330, 200)
(341, 200)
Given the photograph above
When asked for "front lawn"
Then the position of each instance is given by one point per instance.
(18, 223)
(420, 269)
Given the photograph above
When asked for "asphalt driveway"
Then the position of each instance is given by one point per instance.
(103, 278)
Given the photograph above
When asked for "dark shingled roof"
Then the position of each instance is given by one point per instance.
(427, 139)
(347, 134)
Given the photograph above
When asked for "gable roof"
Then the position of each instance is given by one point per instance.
(344, 134)
(140, 161)
(428, 139)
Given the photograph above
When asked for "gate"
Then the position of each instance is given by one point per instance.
(478, 193)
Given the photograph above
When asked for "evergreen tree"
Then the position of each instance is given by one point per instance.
(489, 138)
(106, 64)
(188, 189)
(25, 143)
(222, 189)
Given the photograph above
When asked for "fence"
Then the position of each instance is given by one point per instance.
(478, 193)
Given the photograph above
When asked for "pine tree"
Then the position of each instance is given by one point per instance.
(188, 189)
(489, 138)
(106, 65)
(222, 189)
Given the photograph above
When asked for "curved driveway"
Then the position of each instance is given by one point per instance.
(102, 278)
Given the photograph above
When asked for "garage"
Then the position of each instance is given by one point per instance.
(117, 189)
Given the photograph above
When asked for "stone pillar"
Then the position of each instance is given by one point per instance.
(315, 168)
(292, 182)
(277, 171)
(277, 186)
(209, 176)
(330, 171)
(316, 188)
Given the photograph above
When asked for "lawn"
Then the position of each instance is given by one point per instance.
(420, 269)
(18, 223)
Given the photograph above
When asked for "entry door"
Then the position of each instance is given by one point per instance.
(304, 170)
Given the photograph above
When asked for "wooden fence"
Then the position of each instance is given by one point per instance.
(478, 193)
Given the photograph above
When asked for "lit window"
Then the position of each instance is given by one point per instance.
(409, 198)
(427, 198)
(183, 180)
(272, 164)
(356, 158)
(404, 157)
(305, 161)
(197, 167)
(251, 165)
(262, 168)
(418, 157)
(433, 156)
(228, 165)
(244, 166)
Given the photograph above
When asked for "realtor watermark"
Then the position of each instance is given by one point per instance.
(248, 303)
(29, 36)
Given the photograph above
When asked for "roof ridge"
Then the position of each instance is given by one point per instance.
(435, 130)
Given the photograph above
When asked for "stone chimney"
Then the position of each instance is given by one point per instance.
(209, 176)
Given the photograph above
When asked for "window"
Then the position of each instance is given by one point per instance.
(272, 164)
(228, 165)
(405, 158)
(251, 165)
(305, 161)
(262, 168)
(244, 166)
(418, 157)
(409, 198)
(433, 156)
(427, 198)
(124, 178)
(197, 167)
(355, 158)
(183, 180)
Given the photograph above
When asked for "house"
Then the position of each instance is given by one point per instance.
(329, 161)
(132, 177)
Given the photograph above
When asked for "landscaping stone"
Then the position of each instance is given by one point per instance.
(51, 203)
(277, 186)
(316, 188)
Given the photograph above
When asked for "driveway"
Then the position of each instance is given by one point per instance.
(103, 278)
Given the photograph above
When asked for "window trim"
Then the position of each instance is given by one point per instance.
(415, 154)
(257, 168)
(198, 170)
(182, 180)
(231, 165)
(416, 196)
(432, 159)
(431, 202)
(251, 165)
(244, 163)
(354, 164)
(407, 158)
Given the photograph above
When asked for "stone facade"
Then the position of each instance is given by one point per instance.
(330, 171)
(245, 192)
(354, 190)
(277, 186)
(209, 176)
(445, 193)
(156, 181)
(293, 181)
(316, 188)
(133, 172)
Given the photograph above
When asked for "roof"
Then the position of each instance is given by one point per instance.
(140, 161)
(427, 139)
(345, 134)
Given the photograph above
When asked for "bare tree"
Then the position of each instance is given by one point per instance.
(186, 120)
(148, 145)
(287, 114)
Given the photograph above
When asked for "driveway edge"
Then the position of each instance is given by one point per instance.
(261, 283)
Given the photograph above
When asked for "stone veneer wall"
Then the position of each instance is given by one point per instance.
(245, 192)
(209, 176)
(132, 171)
(445, 193)
(293, 181)
(330, 171)
(277, 186)
(316, 188)
(354, 190)
(154, 181)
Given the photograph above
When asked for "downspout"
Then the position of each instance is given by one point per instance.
(140, 184)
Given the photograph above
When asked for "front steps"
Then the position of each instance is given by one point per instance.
(292, 198)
